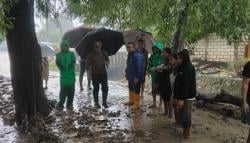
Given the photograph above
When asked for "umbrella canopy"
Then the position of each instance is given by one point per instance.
(74, 36)
(46, 49)
(135, 35)
(111, 40)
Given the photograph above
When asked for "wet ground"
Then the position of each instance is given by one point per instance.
(116, 124)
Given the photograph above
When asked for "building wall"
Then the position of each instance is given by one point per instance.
(214, 48)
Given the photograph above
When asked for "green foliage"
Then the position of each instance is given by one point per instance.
(5, 22)
(229, 19)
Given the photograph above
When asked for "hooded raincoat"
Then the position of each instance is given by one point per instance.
(65, 61)
(155, 60)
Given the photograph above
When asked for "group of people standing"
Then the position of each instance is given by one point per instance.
(173, 78)
(96, 65)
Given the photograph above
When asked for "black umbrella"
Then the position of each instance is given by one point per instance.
(74, 36)
(111, 40)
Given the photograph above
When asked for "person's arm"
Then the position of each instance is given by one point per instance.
(139, 66)
(73, 59)
(58, 64)
(245, 86)
(88, 62)
(107, 61)
(188, 74)
(146, 61)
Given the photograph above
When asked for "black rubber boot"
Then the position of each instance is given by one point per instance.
(104, 100)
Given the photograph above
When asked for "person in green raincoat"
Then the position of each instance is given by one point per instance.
(154, 61)
(65, 61)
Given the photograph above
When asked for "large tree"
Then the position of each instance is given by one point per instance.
(161, 16)
(25, 59)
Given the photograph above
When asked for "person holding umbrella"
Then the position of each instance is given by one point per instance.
(97, 63)
(82, 71)
(65, 61)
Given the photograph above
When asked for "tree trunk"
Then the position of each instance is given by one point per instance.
(177, 41)
(206, 48)
(236, 58)
(25, 62)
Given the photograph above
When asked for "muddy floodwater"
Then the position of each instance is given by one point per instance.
(115, 124)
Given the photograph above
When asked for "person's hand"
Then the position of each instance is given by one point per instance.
(158, 69)
(245, 107)
(107, 64)
(152, 69)
(136, 80)
(181, 103)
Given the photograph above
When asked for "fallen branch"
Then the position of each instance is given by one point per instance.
(223, 97)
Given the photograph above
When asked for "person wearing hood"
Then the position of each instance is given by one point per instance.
(154, 61)
(65, 61)
(134, 75)
(185, 90)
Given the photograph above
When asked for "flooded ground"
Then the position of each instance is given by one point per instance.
(116, 124)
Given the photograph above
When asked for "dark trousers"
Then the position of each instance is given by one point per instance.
(82, 71)
(98, 79)
(134, 87)
(67, 92)
(165, 92)
(186, 114)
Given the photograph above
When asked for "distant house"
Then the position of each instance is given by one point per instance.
(214, 48)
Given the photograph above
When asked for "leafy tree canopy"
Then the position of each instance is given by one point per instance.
(229, 19)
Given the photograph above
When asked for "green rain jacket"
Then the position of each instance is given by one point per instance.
(155, 60)
(65, 61)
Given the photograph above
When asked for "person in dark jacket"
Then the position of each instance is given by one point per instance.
(134, 74)
(163, 81)
(141, 46)
(185, 89)
(82, 71)
(246, 95)
(97, 63)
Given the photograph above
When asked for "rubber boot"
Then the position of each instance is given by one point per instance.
(96, 100)
(131, 99)
(136, 105)
(170, 108)
(186, 133)
(104, 100)
(166, 108)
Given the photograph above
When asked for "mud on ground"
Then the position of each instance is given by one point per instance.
(116, 124)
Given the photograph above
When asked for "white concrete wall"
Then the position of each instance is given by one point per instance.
(217, 49)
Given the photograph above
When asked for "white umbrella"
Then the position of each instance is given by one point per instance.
(47, 50)
(135, 35)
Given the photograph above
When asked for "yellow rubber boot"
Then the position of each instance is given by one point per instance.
(136, 105)
(131, 99)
